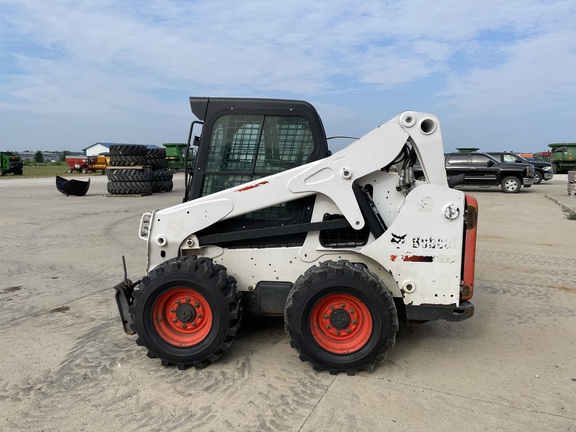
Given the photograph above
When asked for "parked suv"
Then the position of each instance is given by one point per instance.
(542, 170)
(481, 169)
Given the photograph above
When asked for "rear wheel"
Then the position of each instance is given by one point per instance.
(511, 184)
(341, 318)
(187, 312)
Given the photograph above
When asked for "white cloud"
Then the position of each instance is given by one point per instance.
(119, 62)
(534, 78)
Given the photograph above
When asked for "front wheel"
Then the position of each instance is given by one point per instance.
(537, 178)
(187, 312)
(511, 184)
(341, 318)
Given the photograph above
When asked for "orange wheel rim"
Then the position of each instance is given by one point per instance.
(341, 323)
(182, 317)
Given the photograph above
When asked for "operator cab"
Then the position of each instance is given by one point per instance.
(246, 139)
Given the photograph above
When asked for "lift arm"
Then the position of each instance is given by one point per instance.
(334, 176)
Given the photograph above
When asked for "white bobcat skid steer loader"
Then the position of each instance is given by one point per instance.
(344, 246)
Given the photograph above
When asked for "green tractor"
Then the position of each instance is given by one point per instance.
(10, 163)
(176, 156)
(563, 157)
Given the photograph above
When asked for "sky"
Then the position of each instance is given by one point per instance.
(499, 75)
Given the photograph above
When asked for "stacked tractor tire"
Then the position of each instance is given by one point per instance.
(138, 170)
(161, 175)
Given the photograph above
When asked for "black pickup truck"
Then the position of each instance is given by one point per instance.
(480, 169)
(543, 170)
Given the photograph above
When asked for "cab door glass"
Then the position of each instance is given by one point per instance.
(247, 147)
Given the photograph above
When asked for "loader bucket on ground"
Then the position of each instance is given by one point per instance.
(72, 187)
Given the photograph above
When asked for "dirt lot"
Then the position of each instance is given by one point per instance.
(66, 364)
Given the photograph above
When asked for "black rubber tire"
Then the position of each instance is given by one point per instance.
(537, 177)
(129, 175)
(162, 175)
(333, 280)
(128, 150)
(129, 188)
(128, 160)
(156, 153)
(157, 163)
(162, 186)
(198, 276)
(511, 184)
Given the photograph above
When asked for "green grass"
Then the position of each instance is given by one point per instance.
(571, 216)
(45, 170)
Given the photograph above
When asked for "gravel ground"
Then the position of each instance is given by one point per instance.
(66, 364)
